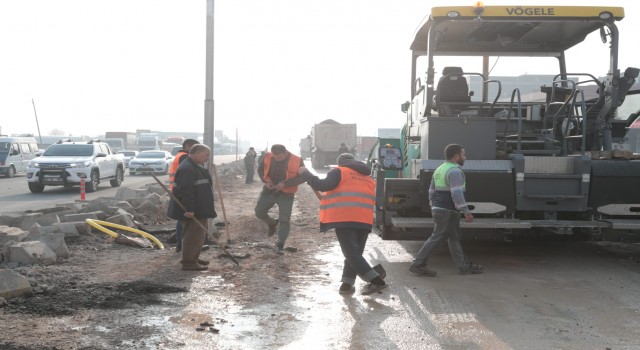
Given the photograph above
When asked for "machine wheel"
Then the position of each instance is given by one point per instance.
(131, 172)
(119, 178)
(11, 172)
(35, 187)
(92, 184)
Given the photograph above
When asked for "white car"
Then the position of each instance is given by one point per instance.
(151, 162)
(128, 155)
(69, 163)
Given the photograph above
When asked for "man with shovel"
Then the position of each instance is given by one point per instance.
(193, 190)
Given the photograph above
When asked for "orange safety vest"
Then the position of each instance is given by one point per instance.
(292, 170)
(174, 168)
(352, 201)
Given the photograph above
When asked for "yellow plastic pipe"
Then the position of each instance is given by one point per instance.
(99, 225)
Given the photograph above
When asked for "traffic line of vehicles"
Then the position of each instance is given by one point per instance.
(68, 163)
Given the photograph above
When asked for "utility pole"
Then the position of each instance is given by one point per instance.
(208, 135)
(37, 123)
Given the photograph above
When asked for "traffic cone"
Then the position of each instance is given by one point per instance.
(82, 191)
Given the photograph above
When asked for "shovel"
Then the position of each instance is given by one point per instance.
(194, 219)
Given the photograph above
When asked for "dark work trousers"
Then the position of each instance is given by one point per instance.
(352, 242)
(250, 169)
(192, 241)
(284, 201)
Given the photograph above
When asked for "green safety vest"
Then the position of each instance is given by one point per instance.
(440, 177)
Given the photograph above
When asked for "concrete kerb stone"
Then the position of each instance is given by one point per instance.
(54, 240)
(11, 219)
(147, 208)
(126, 206)
(74, 229)
(72, 206)
(154, 198)
(28, 220)
(32, 252)
(8, 234)
(136, 202)
(108, 205)
(120, 211)
(41, 230)
(13, 284)
(52, 218)
(125, 219)
(156, 189)
(95, 215)
(70, 229)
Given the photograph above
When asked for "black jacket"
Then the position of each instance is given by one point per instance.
(332, 181)
(193, 189)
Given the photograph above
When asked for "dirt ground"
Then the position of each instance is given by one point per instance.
(557, 293)
(117, 286)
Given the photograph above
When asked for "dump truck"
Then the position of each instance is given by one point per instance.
(326, 138)
(305, 147)
(538, 162)
(129, 140)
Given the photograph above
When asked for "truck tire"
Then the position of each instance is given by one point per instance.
(314, 162)
(92, 184)
(117, 181)
(11, 172)
(35, 187)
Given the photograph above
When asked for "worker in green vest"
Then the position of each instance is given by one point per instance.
(446, 196)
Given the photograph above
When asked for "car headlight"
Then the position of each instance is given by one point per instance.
(80, 164)
(33, 164)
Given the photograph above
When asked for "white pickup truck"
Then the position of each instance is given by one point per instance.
(66, 163)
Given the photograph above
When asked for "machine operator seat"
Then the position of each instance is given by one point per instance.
(452, 88)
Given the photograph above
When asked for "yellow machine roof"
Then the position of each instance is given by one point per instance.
(511, 30)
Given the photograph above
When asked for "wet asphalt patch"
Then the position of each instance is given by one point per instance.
(70, 298)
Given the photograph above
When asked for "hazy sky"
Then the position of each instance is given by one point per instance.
(280, 65)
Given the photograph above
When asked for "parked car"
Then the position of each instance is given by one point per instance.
(69, 163)
(155, 161)
(15, 154)
(128, 155)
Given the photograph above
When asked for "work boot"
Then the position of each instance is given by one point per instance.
(178, 248)
(194, 267)
(422, 271)
(201, 262)
(376, 285)
(279, 249)
(205, 247)
(472, 269)
(272, 228)
(380, 270)
(346, 288)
